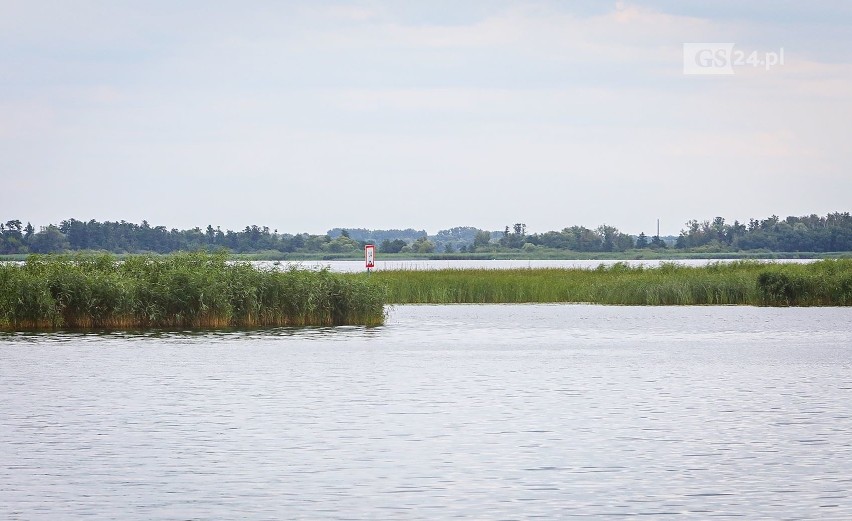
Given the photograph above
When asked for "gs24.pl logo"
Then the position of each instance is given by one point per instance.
(721, 58)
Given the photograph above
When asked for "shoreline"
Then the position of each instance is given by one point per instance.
(629, 255)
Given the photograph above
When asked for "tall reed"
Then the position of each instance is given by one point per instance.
(825, 283)
(188, 290)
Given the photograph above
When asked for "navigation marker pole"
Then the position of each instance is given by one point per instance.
(370, 256)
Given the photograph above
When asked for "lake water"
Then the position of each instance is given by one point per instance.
(501, 264)
(354, 266)
(482, 412)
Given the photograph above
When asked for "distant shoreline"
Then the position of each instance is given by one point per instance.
(557, 255)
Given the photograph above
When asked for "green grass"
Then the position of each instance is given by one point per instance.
(189, 290)
(823, 283)
(198, 290)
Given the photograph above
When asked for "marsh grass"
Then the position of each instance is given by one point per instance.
(822, 283)
(199, 290)
(188, 290)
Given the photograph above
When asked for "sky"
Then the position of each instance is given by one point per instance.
(305, 116)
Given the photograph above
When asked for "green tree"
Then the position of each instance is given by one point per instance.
(423, 245)
(394, 246)
(514, 238)
(28, 232)
(342, 244)
(49, 240)
(607, 235)
(481, 239)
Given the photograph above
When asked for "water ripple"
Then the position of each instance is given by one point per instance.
(485, 412)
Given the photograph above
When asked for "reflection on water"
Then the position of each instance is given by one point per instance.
(191, 336)
(487, 412)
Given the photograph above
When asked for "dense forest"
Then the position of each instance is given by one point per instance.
(830, 233)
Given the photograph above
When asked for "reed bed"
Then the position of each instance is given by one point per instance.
(188, 290)
(199, 290)
(823, 283)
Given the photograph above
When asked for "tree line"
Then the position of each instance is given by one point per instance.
(829, 233)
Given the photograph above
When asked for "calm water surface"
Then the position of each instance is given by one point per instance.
(357, 266)
(484, 412)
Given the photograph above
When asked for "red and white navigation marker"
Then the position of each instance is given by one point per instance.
(370, 256)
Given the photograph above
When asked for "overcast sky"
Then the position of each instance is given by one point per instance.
(304, 116)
